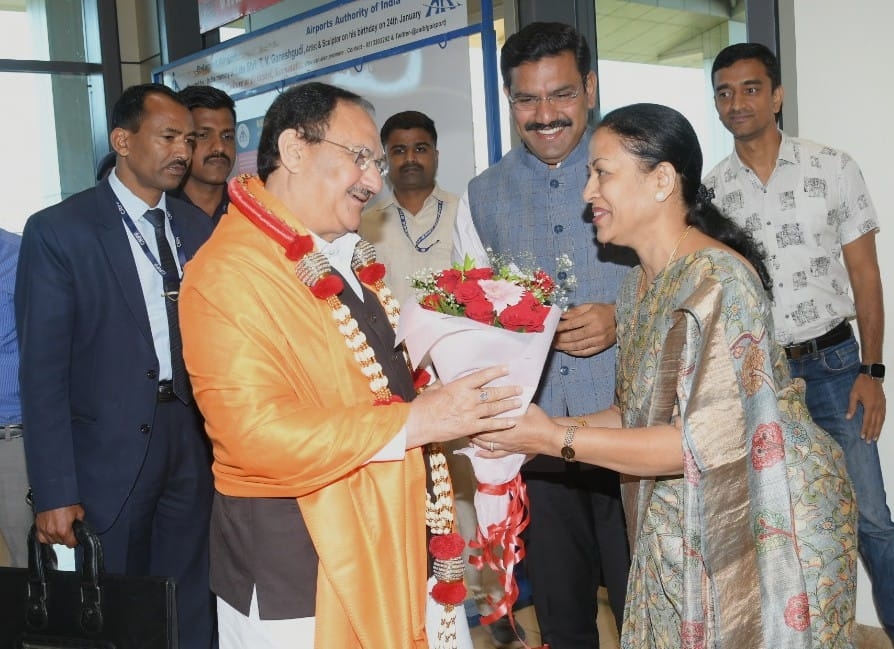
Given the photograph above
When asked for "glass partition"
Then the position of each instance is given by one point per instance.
(53, 91)
(655, 53)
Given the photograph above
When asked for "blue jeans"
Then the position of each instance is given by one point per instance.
(830, 375)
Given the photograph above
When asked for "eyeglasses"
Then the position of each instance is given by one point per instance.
(363, 157)
(559, 99)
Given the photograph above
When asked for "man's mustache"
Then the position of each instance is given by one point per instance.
(361, 192)
(221, 156)
(539, 126)
(411, 165)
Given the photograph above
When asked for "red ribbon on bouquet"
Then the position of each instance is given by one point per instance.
(503, 548)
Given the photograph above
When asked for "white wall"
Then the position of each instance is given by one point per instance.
(842, 97)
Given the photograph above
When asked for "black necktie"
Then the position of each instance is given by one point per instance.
(179, 377)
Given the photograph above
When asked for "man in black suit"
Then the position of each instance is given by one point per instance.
(113, 435)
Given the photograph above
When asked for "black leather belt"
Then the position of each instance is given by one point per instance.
(11, 431)
(166, 391)
(834, 336)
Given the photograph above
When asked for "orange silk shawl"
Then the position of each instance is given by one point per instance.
(289, 414)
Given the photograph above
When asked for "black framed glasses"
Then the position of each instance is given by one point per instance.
(560, 99)
(363, 156)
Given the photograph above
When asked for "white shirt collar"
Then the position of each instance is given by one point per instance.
(135, 206)
(340, 252)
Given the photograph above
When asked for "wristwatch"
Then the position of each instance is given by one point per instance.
(568, 447)
(875, 371)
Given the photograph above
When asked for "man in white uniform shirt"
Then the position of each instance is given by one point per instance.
(414, 229)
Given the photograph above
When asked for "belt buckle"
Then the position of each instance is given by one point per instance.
(165, 392)
(807, 348)
(8, 433)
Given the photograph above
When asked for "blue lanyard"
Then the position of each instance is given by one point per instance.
(418, 242)
(138, 236)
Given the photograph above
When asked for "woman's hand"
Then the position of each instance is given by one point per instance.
(533, 434)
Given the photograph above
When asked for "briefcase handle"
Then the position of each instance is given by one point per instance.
(42, 558)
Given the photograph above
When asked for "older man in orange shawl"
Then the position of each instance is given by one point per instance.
(318, 529)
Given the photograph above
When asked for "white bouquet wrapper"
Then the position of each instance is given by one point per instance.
(456, 346)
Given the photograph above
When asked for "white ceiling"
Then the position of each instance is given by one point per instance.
(670, 32)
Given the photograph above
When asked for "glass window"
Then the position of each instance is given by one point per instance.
(662, 55)
(48, 149)
(476, 61)
(44, 30)
(53, 97)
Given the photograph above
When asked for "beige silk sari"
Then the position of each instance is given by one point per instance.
(754, 546)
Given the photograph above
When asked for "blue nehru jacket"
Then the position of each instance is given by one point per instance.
(522, 206)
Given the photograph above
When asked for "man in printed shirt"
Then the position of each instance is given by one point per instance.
(809, 205)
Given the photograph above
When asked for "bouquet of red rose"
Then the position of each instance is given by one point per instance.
(470, 318)
(507, 298)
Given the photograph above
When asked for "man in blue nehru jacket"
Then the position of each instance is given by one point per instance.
(532, 201)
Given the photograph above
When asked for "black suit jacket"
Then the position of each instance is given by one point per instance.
(88, 371)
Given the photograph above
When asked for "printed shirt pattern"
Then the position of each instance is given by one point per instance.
(815, 202)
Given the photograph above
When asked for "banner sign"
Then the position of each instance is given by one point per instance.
(214, 13)
(248, 137)
(336, 36)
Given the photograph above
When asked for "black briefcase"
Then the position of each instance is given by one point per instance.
(44, 608)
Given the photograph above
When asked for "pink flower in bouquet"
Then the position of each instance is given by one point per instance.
(502, 293)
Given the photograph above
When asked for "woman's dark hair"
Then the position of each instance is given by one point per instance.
(307, 107)
(656, 134)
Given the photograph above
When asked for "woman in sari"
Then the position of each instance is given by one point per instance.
(740, 513)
